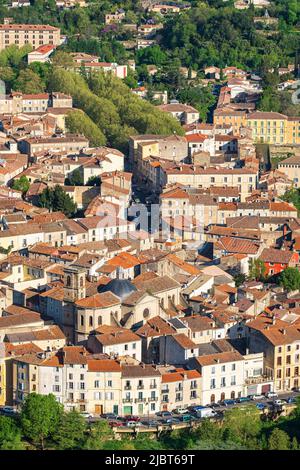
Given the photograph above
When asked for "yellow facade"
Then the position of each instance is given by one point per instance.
(2, 382)
(274, 128)
(236, 119)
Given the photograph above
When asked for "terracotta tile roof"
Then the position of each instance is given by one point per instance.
(236, 245)
(156, 326)
(103, 365)
(198, 322)
(52, 332)
(219, 358)
(180, 263)
(142, 370)
(271, 255)
(20, 349)
(124, 260)
(103, 300)
(118, 337)
(184, 341)
(56, 293)
(156, 285)
(179, 375)
(277, 334)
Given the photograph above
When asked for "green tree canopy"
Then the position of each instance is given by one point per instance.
(21, 184)
(290, 279)
(57, 200)
(40, 417)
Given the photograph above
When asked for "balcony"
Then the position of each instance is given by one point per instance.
(165, 390)
(140, 387)
(179, 389)
(153, 385)
(81, 400)
(127, 400)
(165, 400)
(258, 380)
(140, 400)
(193, 387)
(127, 387)
(153, 399)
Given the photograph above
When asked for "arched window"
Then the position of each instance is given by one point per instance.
(81, 282)
(91, 321)
(212, 398)
(81, 320)
(146, 313)
(232, 395)
(99, 320)
(222, 396)
(68, 281)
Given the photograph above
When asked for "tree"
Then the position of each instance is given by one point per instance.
(28, 82)
(290, 279)
(239, 279)
(75, 178)
(71, 431)
(40, 417)
(57, 200)
(279, 440)
(21, 184)
(62, 59)
(242, 424)
(10, 434)
(78, 121)
(93, 181)
(100, 433)
(257, 269)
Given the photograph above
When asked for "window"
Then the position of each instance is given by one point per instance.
(223, 369)
(109, 383)
(68, 281)
(91, 321)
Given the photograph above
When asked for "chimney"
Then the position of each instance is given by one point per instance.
(273, 320)
(283, 331)
(247, 351)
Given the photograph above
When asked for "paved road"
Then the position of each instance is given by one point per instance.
(268, 402)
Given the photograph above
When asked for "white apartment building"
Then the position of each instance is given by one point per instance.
(222, 376)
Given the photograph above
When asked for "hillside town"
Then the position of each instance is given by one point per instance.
(159, 274)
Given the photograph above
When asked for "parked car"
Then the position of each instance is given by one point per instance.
(228, 402)
(271, 395)
(110, 416)
(87, 415)
(279, 402)
(194, 409)
(296, 389)
(151, 423)
(132, 424)
(206, 413)
(243, 399)
(215, 405)
(257, 397)
(260, 406)
(115, 424)
(132, 418)
(8, 410)
(166, 414)
(185, 417)
(171, 421)
(181, 411)
(291, 400)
